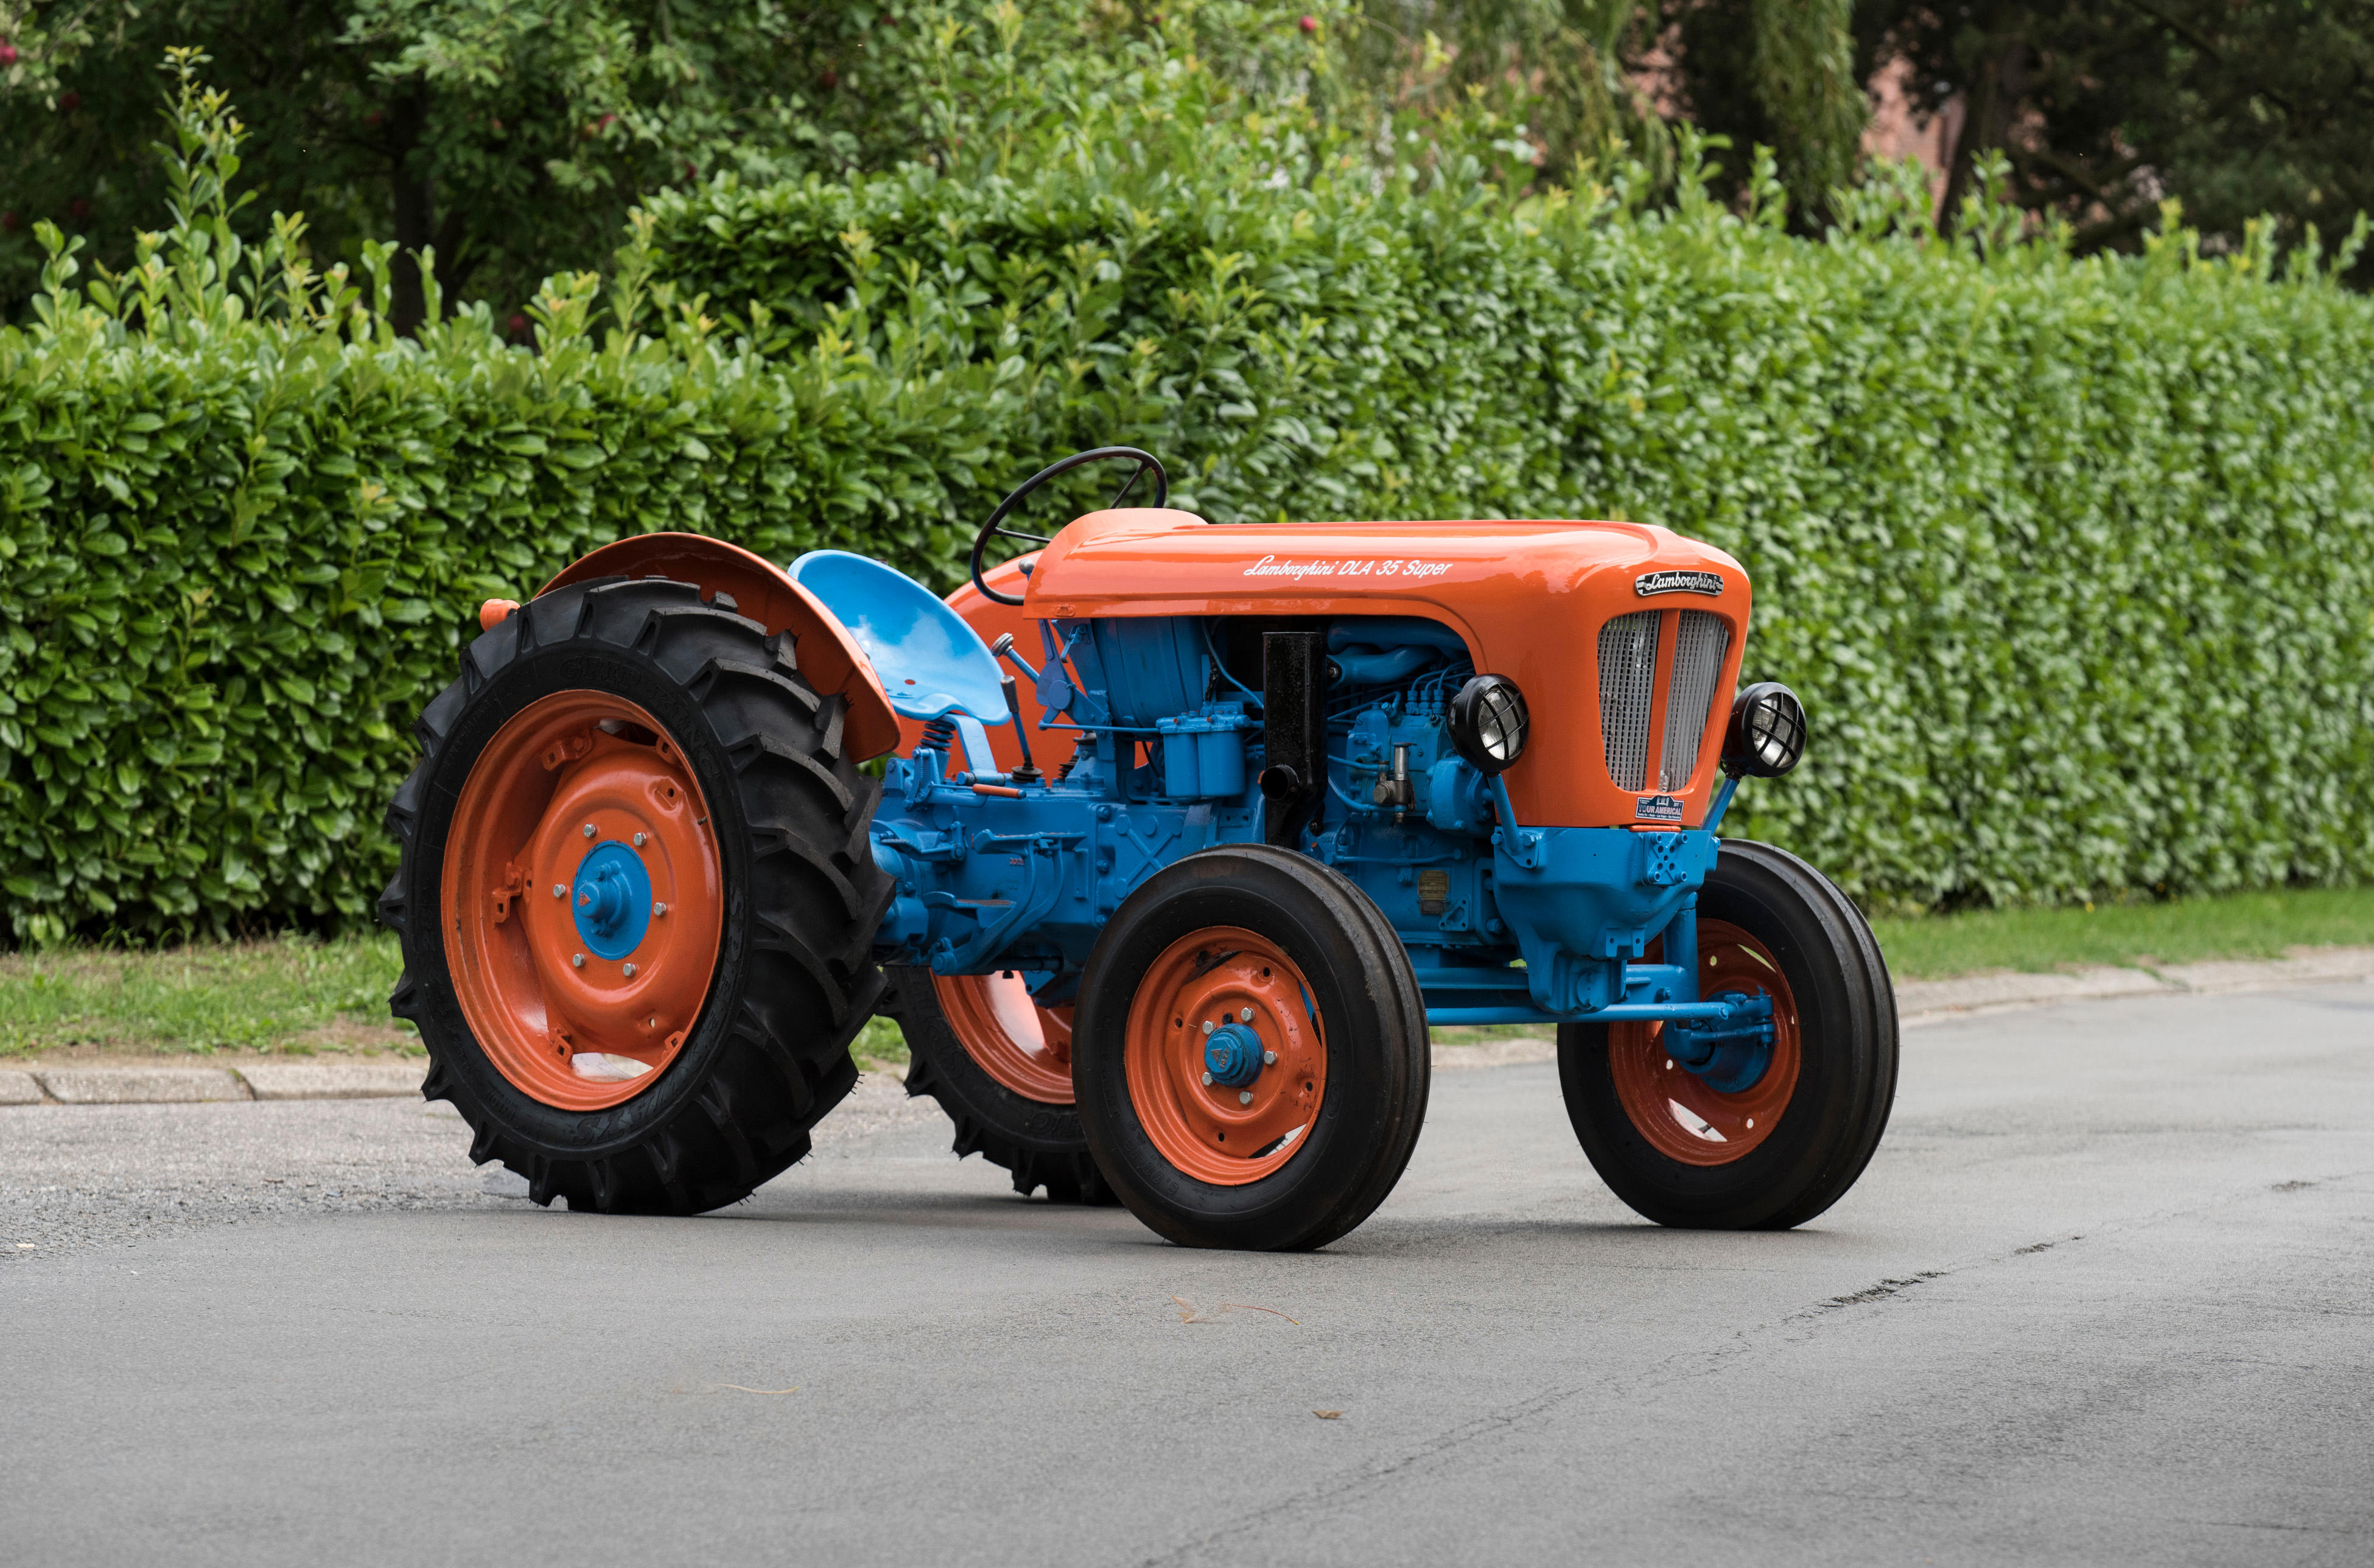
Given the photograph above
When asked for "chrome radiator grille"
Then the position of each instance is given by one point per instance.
(1699, 645)
(1628, 693)
(1628, 674)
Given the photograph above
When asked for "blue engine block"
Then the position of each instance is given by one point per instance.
(1502, 923)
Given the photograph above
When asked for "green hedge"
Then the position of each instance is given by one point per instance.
(233, 568)
(2070, 561)
(244, 531)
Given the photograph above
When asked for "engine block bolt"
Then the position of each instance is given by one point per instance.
(589, 829)
(1244, 1097)
(577, 960)
(641, 839)
(629, 970)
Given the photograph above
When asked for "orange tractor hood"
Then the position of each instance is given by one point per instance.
(1528, 597)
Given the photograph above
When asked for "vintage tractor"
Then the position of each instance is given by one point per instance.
(1186, 836)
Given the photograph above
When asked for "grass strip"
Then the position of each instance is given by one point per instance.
(286, 994)
(2145, 936)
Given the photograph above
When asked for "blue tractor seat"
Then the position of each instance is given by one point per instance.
(932, 665)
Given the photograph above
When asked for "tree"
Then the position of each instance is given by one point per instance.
(513, 136)
(2234, 107)
(510, 135)
(1596, 75)
(1566, 68)
(1778, 73)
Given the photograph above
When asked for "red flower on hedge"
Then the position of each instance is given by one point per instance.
(69, 101)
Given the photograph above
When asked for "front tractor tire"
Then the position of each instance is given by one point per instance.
(1251, 1056)
(636, 899)
(1771, 1144)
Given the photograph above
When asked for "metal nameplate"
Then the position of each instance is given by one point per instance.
(1657, 809)
(1650, 584)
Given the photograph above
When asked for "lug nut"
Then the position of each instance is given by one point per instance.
(589, 829)
(1245, 1016)
(630, 971)
(1207, 1080)
(1208, 1026)
(1245, 1097)
(558, 891)
(577, 960)
(641, 839)
(1269, 1058)
(659, 908)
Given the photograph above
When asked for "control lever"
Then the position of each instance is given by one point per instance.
(1004, 647)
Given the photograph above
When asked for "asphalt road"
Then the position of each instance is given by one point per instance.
(2103, 1298)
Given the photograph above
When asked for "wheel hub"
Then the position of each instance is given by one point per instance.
(1731, 1055)
(613, 900)
(1232, 1054)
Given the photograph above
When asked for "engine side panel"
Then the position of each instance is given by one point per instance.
(1528, 600)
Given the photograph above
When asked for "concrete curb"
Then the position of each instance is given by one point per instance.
(184, 1086)
(139, 1086)
(331, 1080)
(1917, 1002)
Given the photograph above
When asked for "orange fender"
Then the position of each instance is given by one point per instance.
(829, 659)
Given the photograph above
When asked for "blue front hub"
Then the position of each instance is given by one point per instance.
(1232, 1054)
(612, 900)
(1729, 1055)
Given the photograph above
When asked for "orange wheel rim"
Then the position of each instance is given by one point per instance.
(1021, 1044)
(1681, 1115)
(1227, 1133)
(583, 900)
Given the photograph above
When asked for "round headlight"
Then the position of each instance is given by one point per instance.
(1767, 732)
(1488, 723)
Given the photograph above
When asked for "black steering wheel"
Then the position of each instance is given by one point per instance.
(993, 529)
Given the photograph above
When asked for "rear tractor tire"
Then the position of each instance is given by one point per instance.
(1754, 1144)
(1000, 1067)
(636, 898)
